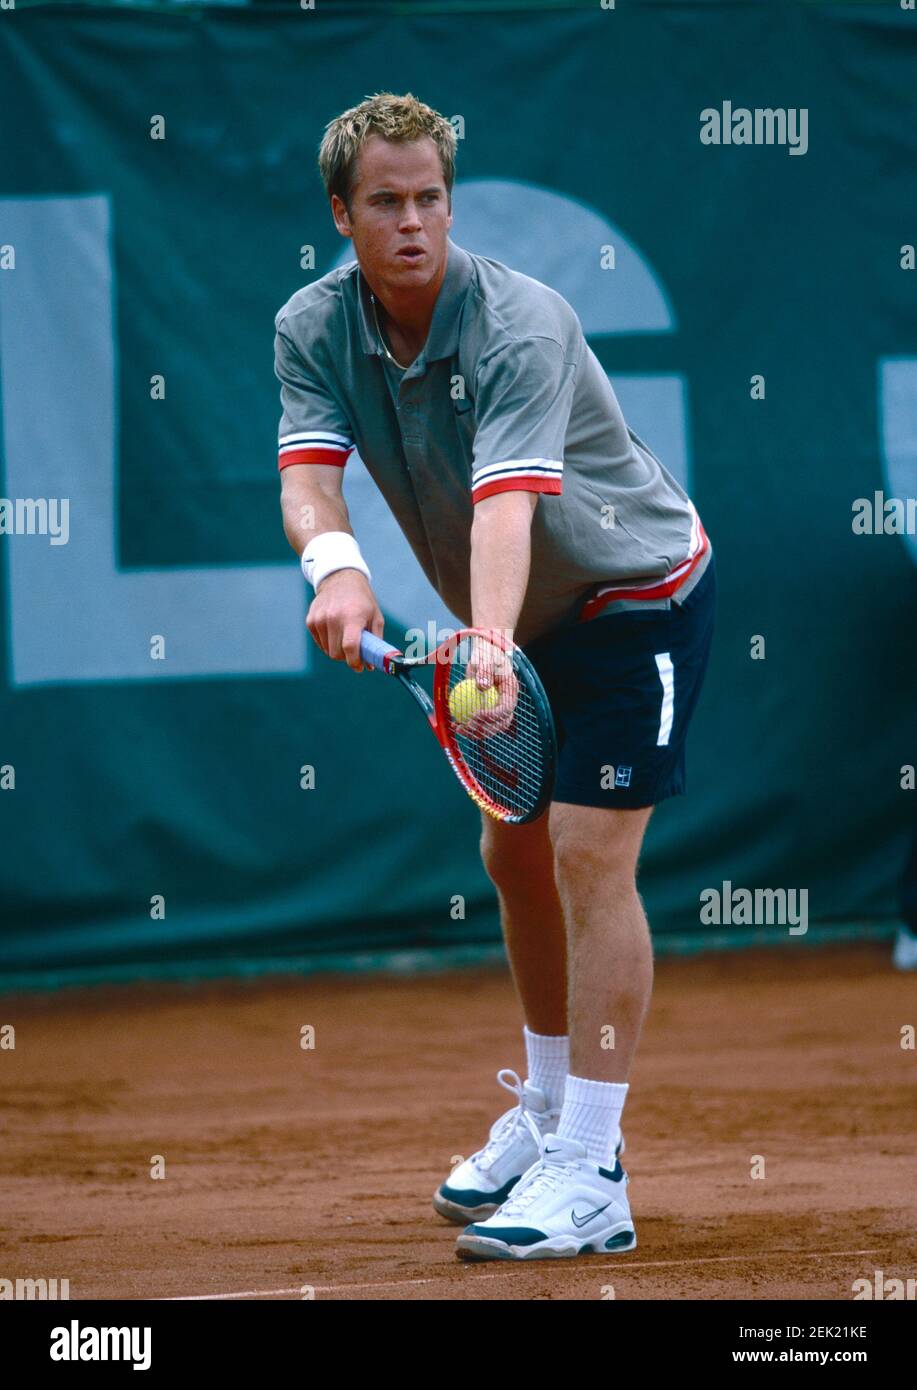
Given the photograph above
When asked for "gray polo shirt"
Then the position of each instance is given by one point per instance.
(506, 394)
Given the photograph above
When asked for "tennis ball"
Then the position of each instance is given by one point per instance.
(465, 700)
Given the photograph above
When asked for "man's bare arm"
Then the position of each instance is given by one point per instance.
(312, 503)
(501, 552)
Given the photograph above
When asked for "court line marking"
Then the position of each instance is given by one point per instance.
(503, 1273)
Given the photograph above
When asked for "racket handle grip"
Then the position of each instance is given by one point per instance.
(375, 650)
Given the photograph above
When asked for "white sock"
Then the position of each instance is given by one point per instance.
(592, 1114)
(548, 1063)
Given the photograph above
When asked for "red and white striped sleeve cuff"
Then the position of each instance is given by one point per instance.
(314, 446)
(523, 475)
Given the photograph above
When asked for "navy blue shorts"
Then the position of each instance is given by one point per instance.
(623, 687)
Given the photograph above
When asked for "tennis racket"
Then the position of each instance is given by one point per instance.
(504, 754)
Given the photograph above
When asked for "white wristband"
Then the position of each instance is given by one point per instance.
(332, 550)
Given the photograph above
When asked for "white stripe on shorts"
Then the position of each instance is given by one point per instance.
(667, 713)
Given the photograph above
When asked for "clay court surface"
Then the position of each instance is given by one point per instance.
(288, 1167)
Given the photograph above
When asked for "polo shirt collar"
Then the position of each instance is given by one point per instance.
(442, 340)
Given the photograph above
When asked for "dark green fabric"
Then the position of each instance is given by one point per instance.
(773, 264)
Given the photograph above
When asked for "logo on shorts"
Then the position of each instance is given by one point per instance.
(622, 776)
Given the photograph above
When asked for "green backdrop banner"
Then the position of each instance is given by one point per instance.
(753, 169)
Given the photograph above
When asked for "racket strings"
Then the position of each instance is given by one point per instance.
(509, 765)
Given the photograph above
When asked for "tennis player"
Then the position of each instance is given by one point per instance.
(498, 442)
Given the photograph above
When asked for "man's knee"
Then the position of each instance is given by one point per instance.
(516, 854)
(503, 864)
(577, 866)
(599, 846)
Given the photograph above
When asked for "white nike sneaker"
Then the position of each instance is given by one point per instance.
(563, 1205)
(475, 1189)
(905, 953)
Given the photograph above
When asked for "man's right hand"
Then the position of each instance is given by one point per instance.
(344, 604)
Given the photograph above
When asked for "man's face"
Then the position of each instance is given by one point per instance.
(399, 201)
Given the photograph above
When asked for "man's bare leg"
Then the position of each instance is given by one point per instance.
(610, 974)
(519, 860)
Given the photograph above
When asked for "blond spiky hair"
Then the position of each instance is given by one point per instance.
(397, 118)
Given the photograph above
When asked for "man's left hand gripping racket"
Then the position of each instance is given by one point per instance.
(504, 754)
